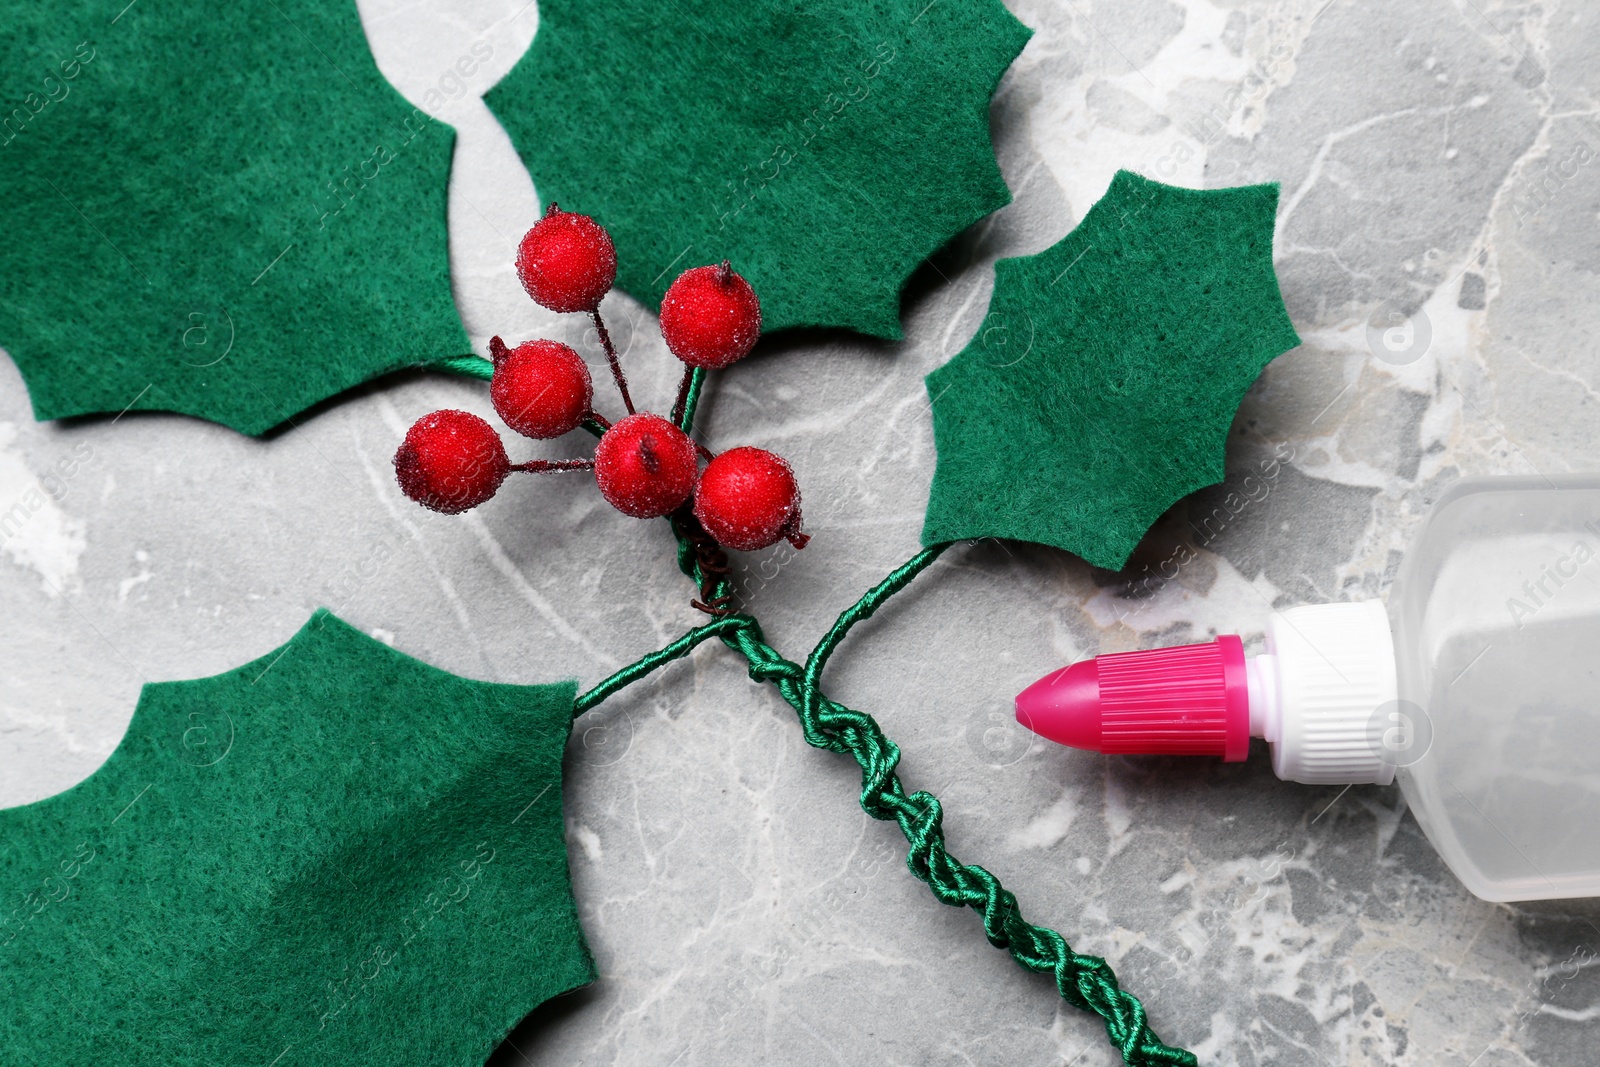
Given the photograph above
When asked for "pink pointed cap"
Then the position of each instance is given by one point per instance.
(1191, 700)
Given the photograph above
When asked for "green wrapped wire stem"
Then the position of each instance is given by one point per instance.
(466, 366)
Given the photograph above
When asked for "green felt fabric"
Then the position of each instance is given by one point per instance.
(219, 209)
(1101, 386)
(332, 855)
(826, 148)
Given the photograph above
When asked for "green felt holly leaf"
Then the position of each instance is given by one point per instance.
(826, 148)
(1101, 386)
(333, 855)
(223, 210)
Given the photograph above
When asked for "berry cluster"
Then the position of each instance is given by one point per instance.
(645, 465)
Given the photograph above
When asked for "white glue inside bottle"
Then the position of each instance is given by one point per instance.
(1478, 689)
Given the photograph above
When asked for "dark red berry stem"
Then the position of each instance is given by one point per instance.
(498, 349)
(599, 420)
(539, 466)
(611, 358)
(683, 395)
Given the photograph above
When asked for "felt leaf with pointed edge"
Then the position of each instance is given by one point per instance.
(332, 855)
(223, 210)
(1101, 386)
(826, 148)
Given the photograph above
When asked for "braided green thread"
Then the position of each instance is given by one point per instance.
(1085, 982)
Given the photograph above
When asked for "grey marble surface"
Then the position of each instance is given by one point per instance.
(1437, 250)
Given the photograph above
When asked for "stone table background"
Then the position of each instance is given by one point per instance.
(1437, 250)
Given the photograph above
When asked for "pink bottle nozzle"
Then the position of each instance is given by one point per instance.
(1191, 700)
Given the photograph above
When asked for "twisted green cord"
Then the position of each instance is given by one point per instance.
(1086, 982)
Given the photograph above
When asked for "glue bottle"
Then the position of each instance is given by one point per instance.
(1478, 689)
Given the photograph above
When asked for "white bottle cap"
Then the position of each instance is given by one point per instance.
(1321, 693)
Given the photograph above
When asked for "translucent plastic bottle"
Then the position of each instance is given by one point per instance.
(1479, 689)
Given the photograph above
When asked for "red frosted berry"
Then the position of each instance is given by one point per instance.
(540, 388)
(451, 461)
(748, 499)
(710, 317)
(567, 261)
(645, 466)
